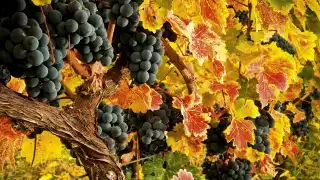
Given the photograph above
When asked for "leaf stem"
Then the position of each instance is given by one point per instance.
(138, 160)
(48, 32)
(177, 61)
(78, 68)
(110, 31)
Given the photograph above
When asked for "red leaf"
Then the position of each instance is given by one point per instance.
(290, 149)
(10, 141)
(194, 122)
(241, 131)
(156, 100)
(183, 175)
(218, 69)
(204, 43)
(231, 88)
(194, 115)
(216, 12)
(267, 166)
(267, 92)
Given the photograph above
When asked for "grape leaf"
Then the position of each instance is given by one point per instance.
(139, 99)
(191, 146)
(178, 25)
(280, 130)
(183, 175)
(248, 88)
(230, 88)
(293, 91)
(267, 166)
(304, 43)
(152, 15)
(49, 147)
(41, 2)
(298, 115)
(186, 8)
(290, 149)
(10, 141)
(314, 6)
(167, 4)
(270, 18)
(17, 85)
(241, 131)
(218, 70)
(267, 92)
(205, 43)
(244, 108)
(216, 12)
(308, 74)
(153, 169)
(194, 119)
(254, 155)
(156, 100)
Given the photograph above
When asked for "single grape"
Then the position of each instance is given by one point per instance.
(115, 131)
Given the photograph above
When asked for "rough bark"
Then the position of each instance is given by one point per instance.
(75, 125)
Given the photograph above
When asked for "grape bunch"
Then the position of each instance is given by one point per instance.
(167, 32)
(112, 127)
(263, 124)
(216, 142)
(282, 43)
(25, 52)
(145, 56)
(234, 169)
(5, 75)
(124, 12)
(243, 16)
(79, 22)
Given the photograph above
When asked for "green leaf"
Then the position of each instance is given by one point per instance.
(248, 88)
(166, 4)
(245, 108)
(278, 4)
(307, 74)
(153, 169)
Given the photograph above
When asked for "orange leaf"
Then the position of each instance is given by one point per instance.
(121, 97)
(269, 17)
(156, 100)
(267, 166)
(205, 43)
(267, 92)
(10, 141)
(290, 149)
(16, 85)
(178, 25)
(216, 12)
(230, 88)
(139, 99)
(293, 91)
(241, 131)
(218, 69)
(195, 119)
(298, 115)
(127, 157)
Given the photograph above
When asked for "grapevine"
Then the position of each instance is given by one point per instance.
(141, 89)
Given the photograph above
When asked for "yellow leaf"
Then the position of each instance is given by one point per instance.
(254, 155)
(304, 42)
(46, 177)
(41, 2)
(48, 147)
(151, 15)
(279, 131)
(17, 85)
(216, 12)
(299, 115)
(314, 6)
(245, 108)
(191, 146)
(186, 8)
